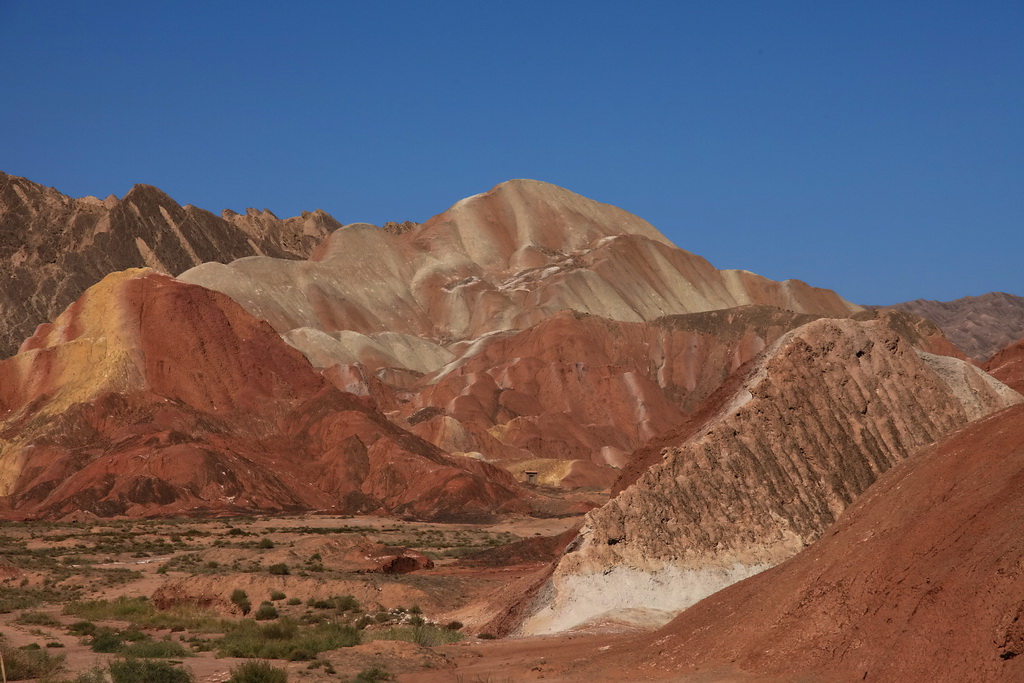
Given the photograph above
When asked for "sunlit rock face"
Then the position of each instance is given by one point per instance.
(817, 418)
(152, 396)
(52, 247)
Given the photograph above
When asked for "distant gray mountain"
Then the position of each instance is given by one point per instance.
(979, 325)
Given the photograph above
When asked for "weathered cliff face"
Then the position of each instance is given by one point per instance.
(52, 247)
(980, 325)
(506, 259)
(918, 581)
(820, 415)
(150, 396)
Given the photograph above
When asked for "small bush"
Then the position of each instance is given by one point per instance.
(346, 603)
(241, 600)
(265, 543)
(279, 569)
(106, 640)
(294, 601)
(266, 611)
(147, 671)
(82, 628)
(277, 595)
(373, 675)
(454, 625)
(258, 671)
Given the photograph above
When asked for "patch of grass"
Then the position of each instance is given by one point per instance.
(427, 635)
(148, 671)
(184, 617)
(258, 671)
(120, 608)
(38, 619)
(155, 649)
(285, 639)
(277, 595)
(23, 664)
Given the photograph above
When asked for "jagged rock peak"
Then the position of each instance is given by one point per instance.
(52, 247)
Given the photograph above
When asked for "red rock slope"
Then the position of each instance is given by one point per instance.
(150, 396)
(52, 246)
(1008, 365)
(920, 580)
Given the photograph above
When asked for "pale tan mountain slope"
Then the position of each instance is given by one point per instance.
(821, 414)
(505, 259)
(52, 247)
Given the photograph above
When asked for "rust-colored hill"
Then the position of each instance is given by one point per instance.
(1008, 365)
(149, 396)
(52, 247)
(918, 581)
(815, 420)
(980, 325)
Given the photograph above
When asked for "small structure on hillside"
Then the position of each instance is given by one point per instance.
(531, 476)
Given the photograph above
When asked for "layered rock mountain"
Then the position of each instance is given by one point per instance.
(52, 247)
(918, 581)
(506, 259)
(812, 423)
(980, 325)
(149, 396)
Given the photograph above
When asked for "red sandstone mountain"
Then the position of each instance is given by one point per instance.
(980, 325)
(918, 581)
(150, 396)
(52, 247)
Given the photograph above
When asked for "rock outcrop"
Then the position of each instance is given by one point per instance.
(980, 325)
(149, 396)
(818, 417)
(918, 581)
(52, 247)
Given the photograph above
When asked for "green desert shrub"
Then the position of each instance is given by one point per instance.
(241, 599)
(257, 671)
(265, 612)
(148, 671)
(374, 674)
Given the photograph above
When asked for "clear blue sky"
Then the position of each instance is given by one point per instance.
(875, 148)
